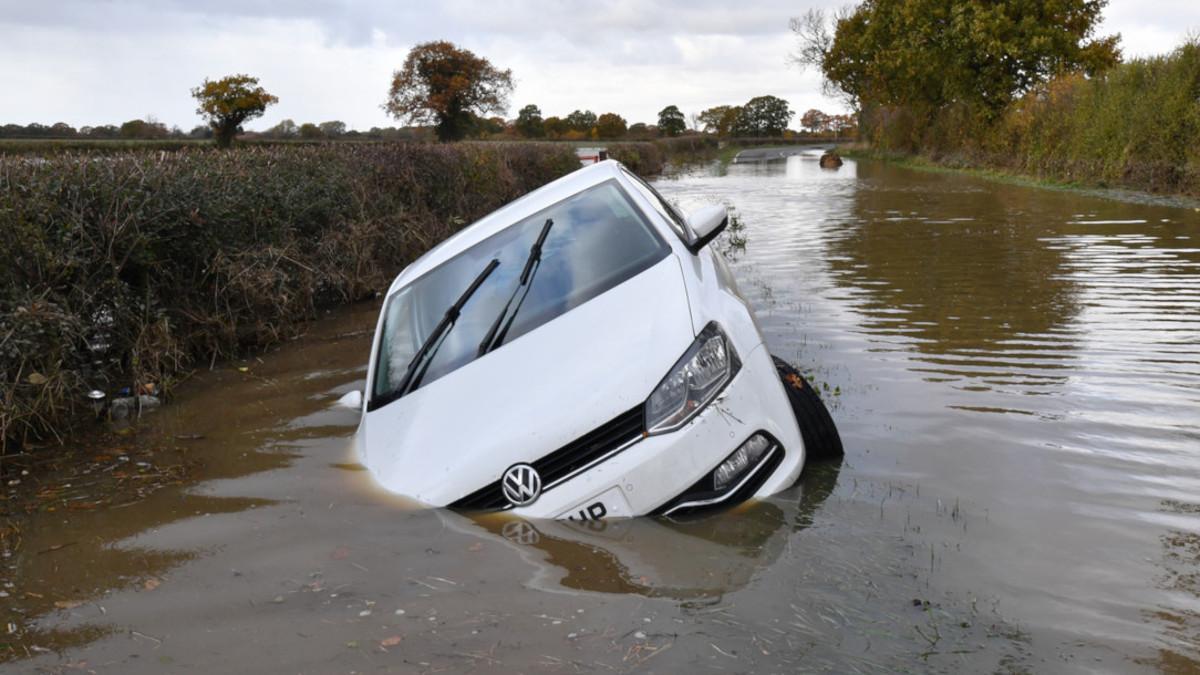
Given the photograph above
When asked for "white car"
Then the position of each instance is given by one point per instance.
(582, 353)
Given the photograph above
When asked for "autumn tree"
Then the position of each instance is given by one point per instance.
(763, 116)
(483, 127)
(720, 119)
(839, 124)
(444, 85)
(529, 122)
(310, 132)
(229, 102)
(814, 120)
(671, 121)
(555, 127)
(610, 126)
(930, 53)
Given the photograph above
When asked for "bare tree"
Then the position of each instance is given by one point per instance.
(815, 34)
(812, 32)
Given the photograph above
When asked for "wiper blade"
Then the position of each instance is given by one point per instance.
(421, 360)
(495, 335)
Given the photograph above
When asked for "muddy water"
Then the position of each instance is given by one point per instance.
(1015, 375)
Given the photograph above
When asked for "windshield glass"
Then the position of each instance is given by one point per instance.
(599, 240)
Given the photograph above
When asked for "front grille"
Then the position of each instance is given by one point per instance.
(567, 460)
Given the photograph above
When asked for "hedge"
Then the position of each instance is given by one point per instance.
(118, 270)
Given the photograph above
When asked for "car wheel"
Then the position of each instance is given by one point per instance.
(821, 439)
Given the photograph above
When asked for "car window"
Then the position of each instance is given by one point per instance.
(667, 210)
(599, 239)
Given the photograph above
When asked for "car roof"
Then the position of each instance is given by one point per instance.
(509, 214)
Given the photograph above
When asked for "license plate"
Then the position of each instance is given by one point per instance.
(609, 504)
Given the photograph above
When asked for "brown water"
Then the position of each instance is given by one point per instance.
(1015, 376)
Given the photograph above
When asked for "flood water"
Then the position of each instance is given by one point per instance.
(1015, 376)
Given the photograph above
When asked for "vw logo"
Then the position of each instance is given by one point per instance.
(521, 484)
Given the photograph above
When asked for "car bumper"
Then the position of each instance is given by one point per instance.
(653, 471)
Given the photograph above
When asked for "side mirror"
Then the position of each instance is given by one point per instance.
(707, 223)
(351, 400)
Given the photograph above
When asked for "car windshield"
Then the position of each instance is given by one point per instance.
(599, 239)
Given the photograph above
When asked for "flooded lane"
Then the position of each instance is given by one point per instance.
(1028, 356)
(1014, 374)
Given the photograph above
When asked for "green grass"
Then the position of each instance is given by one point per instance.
(1006, 177)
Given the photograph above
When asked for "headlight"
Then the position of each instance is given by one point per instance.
(693, 382)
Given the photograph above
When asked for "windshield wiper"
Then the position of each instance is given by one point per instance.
(424, 356)
(495, 335)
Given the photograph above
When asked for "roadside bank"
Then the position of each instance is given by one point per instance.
(957, 166)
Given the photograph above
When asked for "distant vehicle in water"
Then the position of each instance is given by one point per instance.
(582, 353)
(588, 156)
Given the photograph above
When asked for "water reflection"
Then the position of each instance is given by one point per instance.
(697, 562)
(86, 537)
(957, 272)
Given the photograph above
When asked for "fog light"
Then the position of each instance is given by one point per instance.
(740, 461)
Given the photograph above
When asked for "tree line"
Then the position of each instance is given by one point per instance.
(452, 93)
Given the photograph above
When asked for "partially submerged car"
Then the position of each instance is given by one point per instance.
(582, 353)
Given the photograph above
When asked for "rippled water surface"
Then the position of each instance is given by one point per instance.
(1015, 375)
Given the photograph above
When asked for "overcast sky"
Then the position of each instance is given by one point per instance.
(89, 62)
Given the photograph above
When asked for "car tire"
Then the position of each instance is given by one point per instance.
(820, 435)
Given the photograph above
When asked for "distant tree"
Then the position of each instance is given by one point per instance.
(555, 127)
(229, 102)
(309, 131)
(814, 120)
(333, 129)
(639, 131)
(671, 121)
(610, 126)
(763, 116)
(102, 131)
(143, 129)
(62, 130)
(530, 123)
(285, 129)
(444, 85)
(204, 131)
(581, 120)
(839, 124)
(483, 127)
(719, 120)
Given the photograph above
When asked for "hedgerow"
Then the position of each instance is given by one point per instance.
(118, 270)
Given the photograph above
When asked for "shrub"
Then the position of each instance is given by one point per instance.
(1137, 125)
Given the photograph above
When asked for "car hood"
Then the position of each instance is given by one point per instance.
(531, 396)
